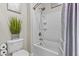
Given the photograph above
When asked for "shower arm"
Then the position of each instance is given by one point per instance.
(36, 5)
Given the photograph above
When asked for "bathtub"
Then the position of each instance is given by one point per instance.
(47, 48)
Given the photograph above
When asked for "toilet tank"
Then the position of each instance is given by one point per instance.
(14, 45)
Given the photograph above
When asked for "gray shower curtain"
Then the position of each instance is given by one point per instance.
(70, 29)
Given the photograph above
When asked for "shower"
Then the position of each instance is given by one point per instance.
(47, 35)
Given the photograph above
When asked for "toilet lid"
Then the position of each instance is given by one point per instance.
(21, 53)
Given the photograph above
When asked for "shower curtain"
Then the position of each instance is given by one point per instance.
(70, 29)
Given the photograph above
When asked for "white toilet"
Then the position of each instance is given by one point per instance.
(15, 48)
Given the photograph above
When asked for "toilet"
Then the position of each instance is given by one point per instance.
(15, 48)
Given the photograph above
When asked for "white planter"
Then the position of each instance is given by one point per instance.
(14, 36)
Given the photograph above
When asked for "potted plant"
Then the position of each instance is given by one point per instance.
(15, 27)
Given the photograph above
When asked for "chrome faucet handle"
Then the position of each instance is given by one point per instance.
(40, 34)
(40, 39)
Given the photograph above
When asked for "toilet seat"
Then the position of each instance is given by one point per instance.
(21, 53)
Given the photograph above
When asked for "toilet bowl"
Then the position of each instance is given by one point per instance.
(15, 48)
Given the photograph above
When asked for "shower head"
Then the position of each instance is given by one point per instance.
(43, 8)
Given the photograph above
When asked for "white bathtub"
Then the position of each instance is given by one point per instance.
(47, 48)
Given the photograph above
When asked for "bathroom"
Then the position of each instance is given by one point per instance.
(45, 29)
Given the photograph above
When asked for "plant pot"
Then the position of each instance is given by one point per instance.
(14, 36)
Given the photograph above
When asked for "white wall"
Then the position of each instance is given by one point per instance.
(4, 20)
(53, 18)
(35, 24)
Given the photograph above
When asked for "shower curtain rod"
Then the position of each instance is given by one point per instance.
(54, 5)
